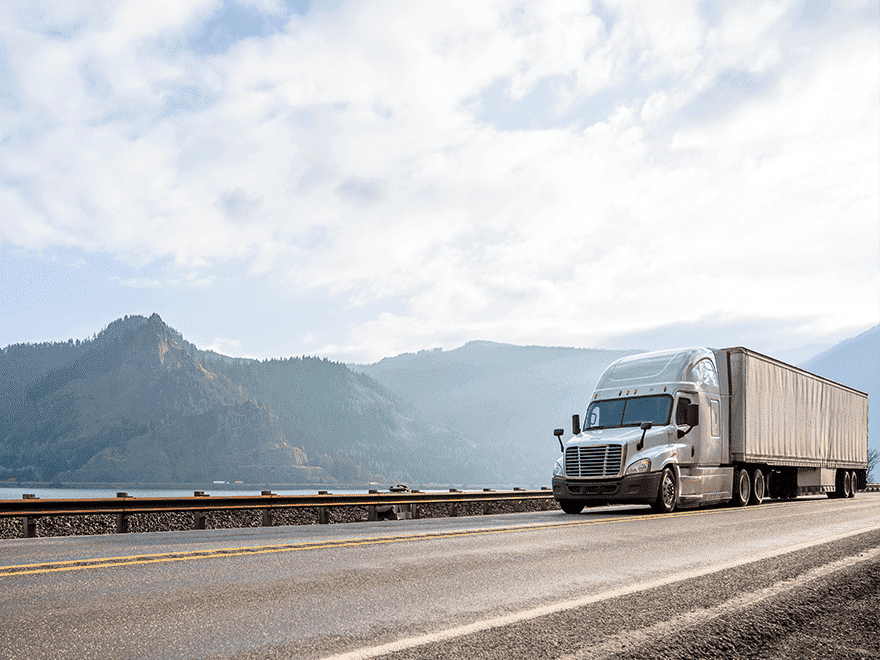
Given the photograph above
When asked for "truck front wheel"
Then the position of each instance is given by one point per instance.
(742, 487)
(571, 506)
(666, 496)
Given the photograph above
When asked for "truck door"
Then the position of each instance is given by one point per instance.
(681, 404)
(704, 441)
(709, 443)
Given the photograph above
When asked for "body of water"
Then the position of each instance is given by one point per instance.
(17, 492)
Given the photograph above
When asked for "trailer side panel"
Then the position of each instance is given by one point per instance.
(783, 415)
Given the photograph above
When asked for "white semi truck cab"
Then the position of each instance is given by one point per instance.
(695, 426)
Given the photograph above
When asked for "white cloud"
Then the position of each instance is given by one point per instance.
(351, 154)
(137, 282)
(229, 347)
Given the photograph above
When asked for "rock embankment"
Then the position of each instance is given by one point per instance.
(85, 525)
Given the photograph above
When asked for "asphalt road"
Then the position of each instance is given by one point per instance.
(516, 585)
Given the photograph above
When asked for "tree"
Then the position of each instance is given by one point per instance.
(873, 459)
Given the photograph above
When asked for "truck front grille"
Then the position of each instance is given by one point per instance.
(603, 461)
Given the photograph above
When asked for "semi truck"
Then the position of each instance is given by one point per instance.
(699, 426)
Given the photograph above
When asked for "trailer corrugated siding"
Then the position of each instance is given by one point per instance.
(787, 416)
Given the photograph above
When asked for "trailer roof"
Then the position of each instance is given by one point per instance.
(750, 352)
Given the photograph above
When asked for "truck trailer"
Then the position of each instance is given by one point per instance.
(698, 426)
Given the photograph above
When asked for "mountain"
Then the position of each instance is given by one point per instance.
(507, 399)
(138, 403)
(855, 362)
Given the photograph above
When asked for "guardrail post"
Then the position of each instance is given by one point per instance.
(323, 515)
(486, 506)
(416, 515)
(198, 520)
(371, 512)
(544, 503)
(267, 517)
(518, 506)
(121, 523)
(28, 527)
(453, 509)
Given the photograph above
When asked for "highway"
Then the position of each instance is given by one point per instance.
(407, 588)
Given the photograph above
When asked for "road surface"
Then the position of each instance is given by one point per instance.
(515, 585)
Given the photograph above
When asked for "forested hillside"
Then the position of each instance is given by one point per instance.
(137, 403)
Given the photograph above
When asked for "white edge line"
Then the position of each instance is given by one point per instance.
(526, 615)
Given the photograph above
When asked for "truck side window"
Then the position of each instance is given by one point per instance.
(681, 412)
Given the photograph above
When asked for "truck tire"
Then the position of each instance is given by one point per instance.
(742, 487)
(854, 484)
(667, 496)
(571, 506)
(847, 485)
(757, 486)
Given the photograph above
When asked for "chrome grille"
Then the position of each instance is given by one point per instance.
(602, 461)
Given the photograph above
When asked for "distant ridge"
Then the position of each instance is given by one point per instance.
(855, 362)
(505, 397)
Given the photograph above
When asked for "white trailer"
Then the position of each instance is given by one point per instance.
(695, 426)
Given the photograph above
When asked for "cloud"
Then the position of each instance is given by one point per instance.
(229, 347)
(137, 282)
(468, 170)
(363, 193)
(238, 206)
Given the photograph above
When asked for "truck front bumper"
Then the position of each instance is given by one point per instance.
(632, 488)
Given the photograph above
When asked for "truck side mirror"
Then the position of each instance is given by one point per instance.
(693, 414)
(645, 426)
(558, 433)
(576, 424)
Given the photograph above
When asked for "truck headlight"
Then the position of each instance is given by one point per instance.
(558, 470)
(638, 467)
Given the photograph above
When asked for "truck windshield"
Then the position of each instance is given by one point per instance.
(629, 412)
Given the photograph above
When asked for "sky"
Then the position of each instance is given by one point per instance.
(356, 180)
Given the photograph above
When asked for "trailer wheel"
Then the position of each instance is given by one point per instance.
(742, 487)
(847, 485)
(757, 484)
(853, 484)
(666, 495)
(571, 506)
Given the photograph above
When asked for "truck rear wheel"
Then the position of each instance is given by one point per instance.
(742, 487)
(571, 506)
(847, 485)
(757, 484)
(666, 494)
(851, 491)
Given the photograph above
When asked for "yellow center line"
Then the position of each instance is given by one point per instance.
(130, 560)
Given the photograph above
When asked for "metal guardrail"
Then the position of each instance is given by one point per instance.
(30, 508)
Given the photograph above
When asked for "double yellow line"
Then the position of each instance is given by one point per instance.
(217, 553)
